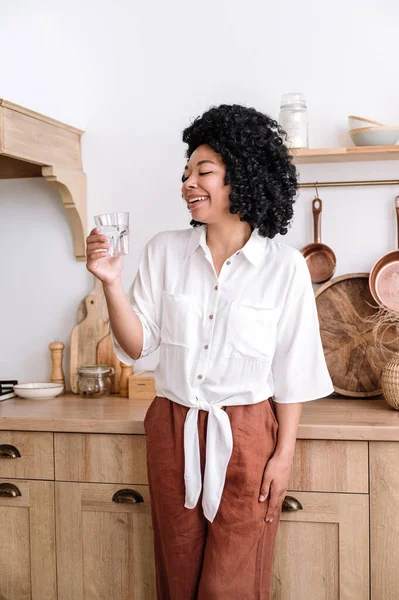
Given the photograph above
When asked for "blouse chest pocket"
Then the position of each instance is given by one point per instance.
(251, 332)
(181, 319)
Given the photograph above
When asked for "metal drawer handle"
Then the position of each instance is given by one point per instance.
(9, 490)
(290, 504)
(9, 451)
(127, 497)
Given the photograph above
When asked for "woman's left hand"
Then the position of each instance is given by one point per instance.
(275, 483)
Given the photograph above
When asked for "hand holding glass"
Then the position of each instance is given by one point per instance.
(116, 227)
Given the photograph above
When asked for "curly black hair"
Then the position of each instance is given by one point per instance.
(258, 164)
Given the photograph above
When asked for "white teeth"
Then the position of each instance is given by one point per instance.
(199, 198)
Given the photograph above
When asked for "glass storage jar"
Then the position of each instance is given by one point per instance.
(95, 380)
(294, 120)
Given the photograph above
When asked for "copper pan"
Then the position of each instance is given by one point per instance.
(320, 258)
(384, 276)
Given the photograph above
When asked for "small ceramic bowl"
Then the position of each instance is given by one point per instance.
(38, 391)
(375, 136)
(358, 122)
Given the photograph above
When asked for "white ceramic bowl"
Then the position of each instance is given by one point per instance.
(38, 391)
(358, 122)
(375, 136)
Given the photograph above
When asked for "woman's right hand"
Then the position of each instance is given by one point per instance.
(106, 268)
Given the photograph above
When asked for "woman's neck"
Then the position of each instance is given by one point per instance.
(223, 239)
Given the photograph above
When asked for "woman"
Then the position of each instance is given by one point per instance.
(234, 315)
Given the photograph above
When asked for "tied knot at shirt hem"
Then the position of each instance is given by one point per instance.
(219, 447)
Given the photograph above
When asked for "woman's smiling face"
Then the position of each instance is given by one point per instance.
(203, 187)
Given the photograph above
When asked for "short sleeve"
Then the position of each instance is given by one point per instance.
(143, 296)
(299, 367)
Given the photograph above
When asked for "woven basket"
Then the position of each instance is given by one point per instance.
(390, 381)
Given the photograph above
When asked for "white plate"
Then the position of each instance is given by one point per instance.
(38, 391)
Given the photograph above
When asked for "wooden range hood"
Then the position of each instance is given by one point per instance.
(33, 145)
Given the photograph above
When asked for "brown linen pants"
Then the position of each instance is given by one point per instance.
(232, 557)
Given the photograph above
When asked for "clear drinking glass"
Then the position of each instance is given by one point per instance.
(116, 227)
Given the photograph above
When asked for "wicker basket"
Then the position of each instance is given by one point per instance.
(390, 381)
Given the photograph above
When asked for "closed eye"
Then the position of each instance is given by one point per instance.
(184, 178)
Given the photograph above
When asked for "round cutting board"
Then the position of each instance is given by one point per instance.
(353, 361)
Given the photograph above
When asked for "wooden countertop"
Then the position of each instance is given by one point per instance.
(335, 417)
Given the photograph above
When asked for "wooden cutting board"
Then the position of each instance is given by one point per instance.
(85, 337)
(106, 356)
(97, 290)
(354, 363)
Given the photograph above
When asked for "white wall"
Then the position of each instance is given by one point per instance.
(133, 74)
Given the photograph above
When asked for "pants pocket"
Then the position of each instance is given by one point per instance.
(272, 409)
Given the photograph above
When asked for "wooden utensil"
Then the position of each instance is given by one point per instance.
(126, 372)
(97, 290)
(106, 356)
(384, 276)
(320, 258)
(57, 374)
(354, 363)
(84, 339)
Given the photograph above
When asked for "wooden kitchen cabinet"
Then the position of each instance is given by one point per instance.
(27, 540)
(322, 549)
(104, 531)
(66, 533)
(104, 542)
(384, 520)
(27, 527)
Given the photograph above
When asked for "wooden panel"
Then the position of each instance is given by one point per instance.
(40, 142)
(332, 418)
(322, 551)
(37, 456)
(104, 548)
(351, 154)
(100, 458)
(1, 127)
(11, 168)
(384, 520)
(27, 541)
(330, 466)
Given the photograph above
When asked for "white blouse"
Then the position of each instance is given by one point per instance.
(251, 333)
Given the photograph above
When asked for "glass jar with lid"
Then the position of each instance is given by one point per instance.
(95, 380)
(294, 120)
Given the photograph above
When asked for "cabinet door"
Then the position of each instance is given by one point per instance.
(104, 542)
(322, 551)
(27, 542)
(384, 520)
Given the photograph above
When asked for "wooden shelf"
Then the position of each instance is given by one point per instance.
(353, 154)
(33, 145)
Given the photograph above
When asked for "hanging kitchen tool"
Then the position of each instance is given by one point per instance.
(384, 276)
(84, 339)
(354, 362)
(320, 258)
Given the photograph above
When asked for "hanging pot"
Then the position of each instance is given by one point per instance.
(320, 258)
(384, 276)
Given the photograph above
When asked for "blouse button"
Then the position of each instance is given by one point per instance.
(199, 377)
(216, 287)
(206, 347)
(228, 263)
(211, 316)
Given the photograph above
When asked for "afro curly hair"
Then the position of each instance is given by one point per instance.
(258, 164)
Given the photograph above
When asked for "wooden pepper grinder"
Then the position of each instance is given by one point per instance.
(57, 375)
(124, 382)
